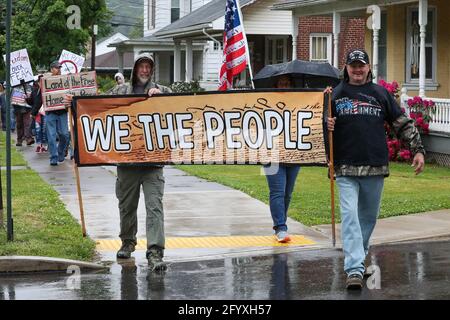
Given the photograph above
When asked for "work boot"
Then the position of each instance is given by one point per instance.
(155, 261)
(354, 281)
(126, 249)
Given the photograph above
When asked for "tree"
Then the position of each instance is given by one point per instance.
(40, 26)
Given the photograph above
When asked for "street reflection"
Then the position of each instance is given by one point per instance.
(412, 271)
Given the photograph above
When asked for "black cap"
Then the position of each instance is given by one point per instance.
(55, 64)
(357, 55)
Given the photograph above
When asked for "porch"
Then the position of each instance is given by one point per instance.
(408, 42)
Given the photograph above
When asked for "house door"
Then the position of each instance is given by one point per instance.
(276, 49)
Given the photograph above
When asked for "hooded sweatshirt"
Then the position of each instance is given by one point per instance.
(133, 87)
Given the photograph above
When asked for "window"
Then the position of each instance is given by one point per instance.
(320, 47)
(217, 46)
(175, 11)
(413, 46)
(276, 50)
(151, 14)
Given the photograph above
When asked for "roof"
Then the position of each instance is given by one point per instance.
(110, 61)
(202, 17)
(301, 3)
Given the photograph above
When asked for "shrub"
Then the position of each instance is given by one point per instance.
(181, 86)
(420, 111)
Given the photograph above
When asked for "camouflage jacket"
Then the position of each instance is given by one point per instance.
(405, 129)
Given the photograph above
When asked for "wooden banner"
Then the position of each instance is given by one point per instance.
(53, 88)
(245, 127)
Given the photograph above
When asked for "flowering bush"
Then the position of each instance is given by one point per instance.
(421, 111)
(393, 87)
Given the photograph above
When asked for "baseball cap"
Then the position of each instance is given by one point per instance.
(55, 64)
(357, 55)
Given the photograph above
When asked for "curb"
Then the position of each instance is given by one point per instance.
(14, 264)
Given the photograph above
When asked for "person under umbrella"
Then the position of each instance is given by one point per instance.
(281, 183)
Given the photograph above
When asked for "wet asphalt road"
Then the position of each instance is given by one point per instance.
(407, 271)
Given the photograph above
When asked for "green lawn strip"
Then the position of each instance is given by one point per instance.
(16, 157)
(42, 225)
(404, 193)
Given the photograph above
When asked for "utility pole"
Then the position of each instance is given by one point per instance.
(10, 229)
(94, 36)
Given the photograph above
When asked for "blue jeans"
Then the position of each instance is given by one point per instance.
(57, 126)
(41, 131)
(281, 185)
(360, 199)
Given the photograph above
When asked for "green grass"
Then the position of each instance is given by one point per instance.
(16, 158)
(404, 193)
(42, 225)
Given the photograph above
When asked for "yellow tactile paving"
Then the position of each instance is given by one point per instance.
(213, 242)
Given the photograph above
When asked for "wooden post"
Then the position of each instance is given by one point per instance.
(330, 143)
(77, 177)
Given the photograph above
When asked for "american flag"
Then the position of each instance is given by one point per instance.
(234, 46)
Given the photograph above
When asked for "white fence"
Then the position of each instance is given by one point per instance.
(440, 119)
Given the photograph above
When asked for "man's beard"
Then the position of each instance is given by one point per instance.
(143, 80)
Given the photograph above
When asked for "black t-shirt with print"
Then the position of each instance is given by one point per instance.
(359, 134)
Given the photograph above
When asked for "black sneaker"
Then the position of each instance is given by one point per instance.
(155, 261)
(355, 281)
(126, 249)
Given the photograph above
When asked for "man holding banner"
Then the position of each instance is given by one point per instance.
(360, 109)
(131, 177)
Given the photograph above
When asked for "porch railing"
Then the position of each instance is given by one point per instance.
(440, 119)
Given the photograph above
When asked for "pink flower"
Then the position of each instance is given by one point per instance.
(405, 154)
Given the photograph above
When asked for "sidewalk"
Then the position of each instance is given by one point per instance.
(202, 219)
(205, 219)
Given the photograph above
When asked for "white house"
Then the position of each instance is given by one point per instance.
(185, 37)
(102, 46)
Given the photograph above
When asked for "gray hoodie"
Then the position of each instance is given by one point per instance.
(129, 88)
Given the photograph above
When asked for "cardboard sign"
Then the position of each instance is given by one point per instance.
(20, 67)
(70, 62)
(248, 127)
(53, 88)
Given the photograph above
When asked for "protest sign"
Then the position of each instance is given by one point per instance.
(70, 62)
(21, 70)
(53, 88)
(247, 127)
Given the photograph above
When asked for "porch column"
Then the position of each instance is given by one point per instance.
(156, 70)
(336, 32)
(423, 20)
(189, 60)
(120, 60)
(295, 22)
(177, 61)
(374, 23)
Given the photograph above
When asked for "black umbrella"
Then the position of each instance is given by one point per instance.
(306, 74)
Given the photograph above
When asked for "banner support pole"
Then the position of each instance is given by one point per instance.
(331, 166)
(77, 178)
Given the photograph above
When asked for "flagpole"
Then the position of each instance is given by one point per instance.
(247, 52)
